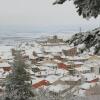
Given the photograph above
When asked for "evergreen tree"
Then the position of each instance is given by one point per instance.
(18, 86)
(86, 8)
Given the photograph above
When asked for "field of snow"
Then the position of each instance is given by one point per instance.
(12, 38)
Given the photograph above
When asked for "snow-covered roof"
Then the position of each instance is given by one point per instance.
(49, 56)
(76, 63)
(7, 57)
(58, 61)
(92, 63)
(80, 93)
(32, 57)
(30, 71)
(83, 88)
(40, 55)
(56, 48)
(86, 86)
(38, 49)
(58, 88)
(80, 69)
(76, 58)
(71, 78)
(52, 78)
(29, 52)
(44, 68)
(61, 71)
(50, 64)
(42, 73)
(36, 80)
(4, 65)
(89, 76)
(81, 63)
(4, 75)
(34, 66)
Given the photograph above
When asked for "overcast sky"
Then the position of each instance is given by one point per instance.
(41, 16)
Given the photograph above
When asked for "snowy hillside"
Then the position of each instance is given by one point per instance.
(87, 41)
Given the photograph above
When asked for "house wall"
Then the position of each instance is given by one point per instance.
(97, 70)
(74, 82)
(70, 52)
(54, 40)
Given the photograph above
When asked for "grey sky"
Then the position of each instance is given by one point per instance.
(41, 14)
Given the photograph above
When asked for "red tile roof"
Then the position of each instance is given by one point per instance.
(40, 83)
(63, 66)
(94, 80)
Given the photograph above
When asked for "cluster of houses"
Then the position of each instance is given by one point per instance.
(57, 68)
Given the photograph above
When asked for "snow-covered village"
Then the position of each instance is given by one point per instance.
(49, 49)
(60, 69)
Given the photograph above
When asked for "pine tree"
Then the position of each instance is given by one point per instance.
(18, 86)
(86, 8)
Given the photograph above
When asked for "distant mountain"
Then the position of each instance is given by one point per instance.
(87, 41)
